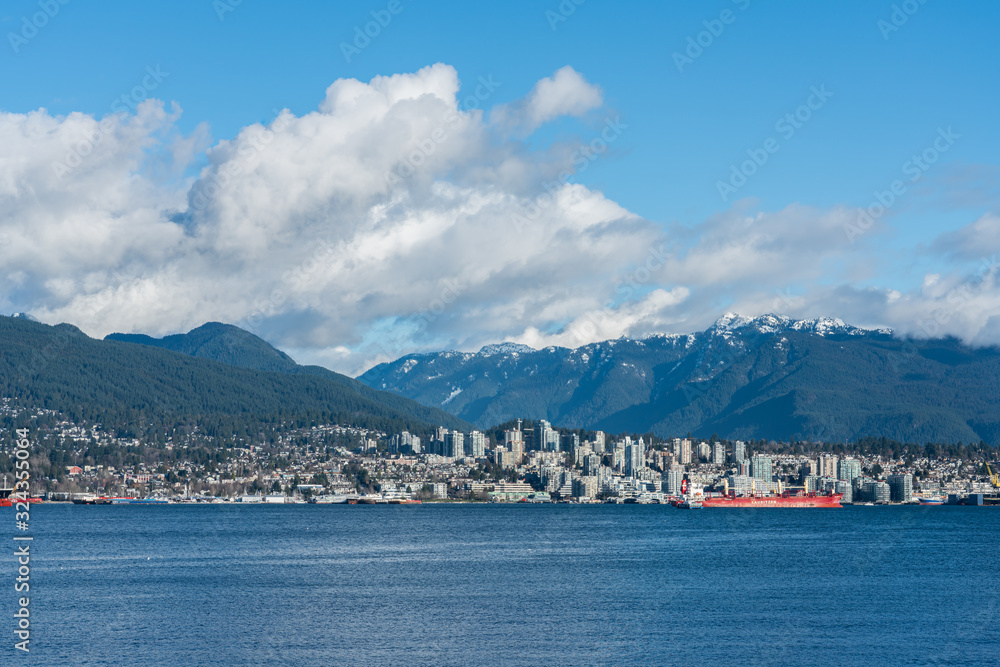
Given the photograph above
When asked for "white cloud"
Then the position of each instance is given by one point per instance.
(565, 93)
(391, 220)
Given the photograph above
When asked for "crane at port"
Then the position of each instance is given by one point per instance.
(994, 478)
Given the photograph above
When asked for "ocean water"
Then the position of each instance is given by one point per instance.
(508, 585)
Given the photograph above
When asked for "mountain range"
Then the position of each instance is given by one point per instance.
(762, 377)
(217, 378)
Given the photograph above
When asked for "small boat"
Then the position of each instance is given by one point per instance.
(689, 505)
(330, 499)
(113, 500)
(931, 500)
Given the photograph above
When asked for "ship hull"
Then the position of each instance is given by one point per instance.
(775, 501)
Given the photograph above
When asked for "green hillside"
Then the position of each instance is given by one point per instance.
(143, 390)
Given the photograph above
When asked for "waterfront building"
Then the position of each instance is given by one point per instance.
(439, 490)
(742, 485)
(633, 459)
(585, 487)
(901, 488)
(761, 468)
(672, 480)
(510, 492)
(877, 492)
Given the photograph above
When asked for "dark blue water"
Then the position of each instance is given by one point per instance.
(508, 585)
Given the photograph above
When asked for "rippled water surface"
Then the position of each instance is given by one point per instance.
(509, 585)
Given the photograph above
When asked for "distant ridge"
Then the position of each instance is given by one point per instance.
(769, 376)
(140, 390)
(237, 347)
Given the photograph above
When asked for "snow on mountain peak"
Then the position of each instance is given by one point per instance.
(771, 323)
(505, 348)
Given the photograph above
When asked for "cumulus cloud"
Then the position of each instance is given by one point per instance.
(565, 93)
(395, 218)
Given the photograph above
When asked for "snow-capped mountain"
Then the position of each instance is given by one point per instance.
(766, 376)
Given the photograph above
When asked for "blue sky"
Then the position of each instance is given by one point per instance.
(893, 89)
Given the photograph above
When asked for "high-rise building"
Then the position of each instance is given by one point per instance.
(542, 429)
(718, 454)
(761, 468)
(454, 444)
(827, 466)
(739, 451)
(475, 445)
(808, 469)
(672, 480)
(685, 455)
(876, 492)
(901, 488)
(514, 441)
(618, 457)
(848, 469)
(633, 458)
(585, 487)
(599, 442)
(591, 464)
(546, 439)
(569, 442)
(404, 443)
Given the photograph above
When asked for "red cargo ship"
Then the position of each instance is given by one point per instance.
(784, 500)
(7, 498)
